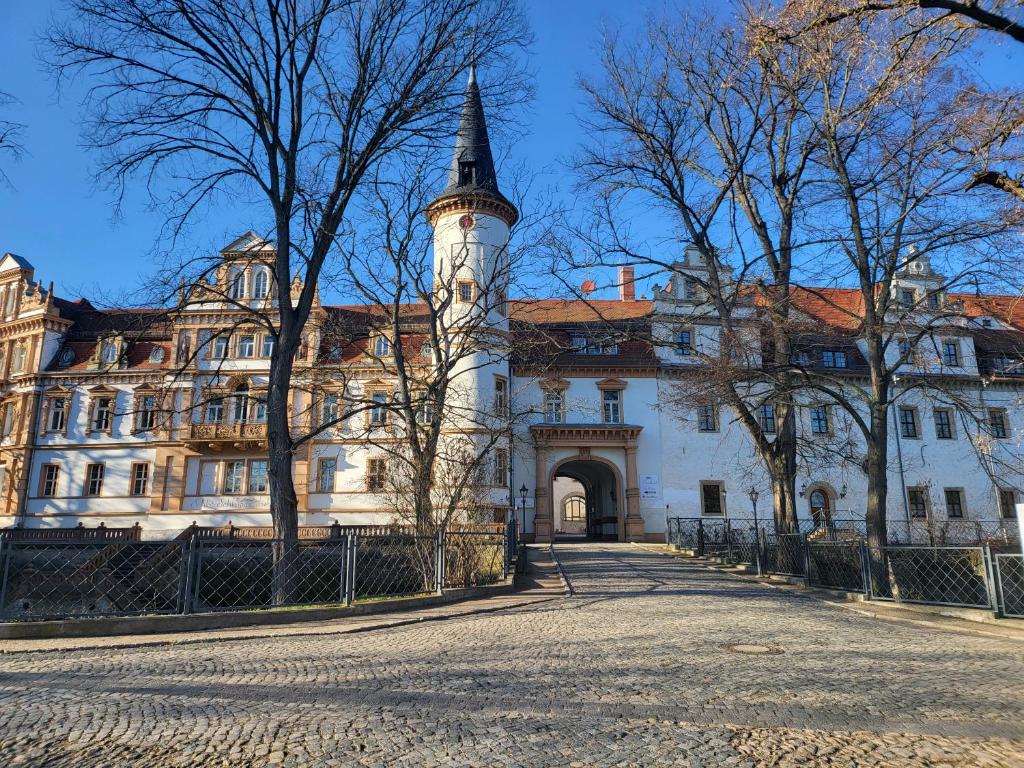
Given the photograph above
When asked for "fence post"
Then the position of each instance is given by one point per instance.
(865, 569)
(990, 580)
(757, 551)
(728, 540)
(700, 538)
(343, 571)
(4, 557)
(807, 559)
(352, 548)
(191, 572)
(439, 562)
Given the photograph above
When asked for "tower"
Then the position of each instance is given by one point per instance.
(472, 221)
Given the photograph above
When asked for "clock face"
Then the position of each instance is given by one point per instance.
(466, 221)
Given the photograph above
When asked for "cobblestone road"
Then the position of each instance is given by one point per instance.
(633, 670)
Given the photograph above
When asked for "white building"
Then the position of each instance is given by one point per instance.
(606, 451)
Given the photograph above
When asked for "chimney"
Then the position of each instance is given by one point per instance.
(627, 286)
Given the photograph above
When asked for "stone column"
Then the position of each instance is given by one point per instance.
(543, 525)
(634, 520)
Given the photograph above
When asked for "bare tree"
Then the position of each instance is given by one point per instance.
(292, 104)
(11, 133)
(714, 130)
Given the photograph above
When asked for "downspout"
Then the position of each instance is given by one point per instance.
(903, 477)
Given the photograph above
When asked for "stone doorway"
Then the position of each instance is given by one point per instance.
(590, 487)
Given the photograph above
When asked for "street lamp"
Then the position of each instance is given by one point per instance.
(522, 495)
(753, 494)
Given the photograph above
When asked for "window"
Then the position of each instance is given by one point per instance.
(109, 352)
(819, 420)
(93, 479)
(766, 418)
(907, 297)
(20, 353)
(831, 358)
(102, 414)
(247, 346)
(241, 400)
(501, 467)
(821, 508)
(382, 346)
(57, 418)
(234, 476)
(684, 343)
(7, 416)
(997, 422)
(711, 498)
(140, 479)
(215, 411)
(803, 359)
(943, 424)
(918, 501)
(145, 419)
(236, 288)
(48, 480)
(1007, 503)
(220, 348)
(258, 476)
(553, 407)
(501, 302)
(578, 344)
(325, 475)
(424, 410)
(184, 348)
(908, 422)
(378, 409)
(375, 474)
(691, 289)
(464, 292)
(904, 347)
(329, 409)
(259, 410)
(707, 418)
(575, 509)
(156, 355)
(612, 406)
(260, 281)
(954, 502)
(500, 396)
(466, 173)
(951, 353)
(268, 346)
(933, 301)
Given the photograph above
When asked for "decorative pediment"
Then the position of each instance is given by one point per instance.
(611, 384)
(57, 390)
(101, 390)
(553, 383)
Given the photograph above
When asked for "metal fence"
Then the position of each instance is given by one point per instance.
(64, 579)
(836, 556)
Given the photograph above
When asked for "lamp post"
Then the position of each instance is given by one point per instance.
(753, 494)
(522, 495)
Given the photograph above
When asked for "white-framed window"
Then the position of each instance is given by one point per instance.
(103, 414)
(234, 477)
(611, 401)
(501, 396)
(501, 467)
(917, 500)
(1007, 503)
(259, 410)
(145, 419)
(94, 479)
(766, 418)
(325, 474)
(49, 479)
(711, 493)
(951, 353)
(997, 426)
(241, 403)
(57, 417)
(464, 291)
(833, 358)
(381, 346)
(215, 411)
(257, 476)
(139, 479)
(553, 406)
(329, 409)
(236, 285)
(20, 355)
(684, 342)
(691, 289)
(378, 409)
(247, 346)
(109, 352)
(267, 348)
(260, 284)
(819, 420)
(220, 347)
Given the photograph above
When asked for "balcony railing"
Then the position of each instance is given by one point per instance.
(244, 432)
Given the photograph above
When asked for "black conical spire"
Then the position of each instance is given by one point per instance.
(472, 169)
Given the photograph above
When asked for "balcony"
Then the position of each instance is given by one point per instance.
(239, 436)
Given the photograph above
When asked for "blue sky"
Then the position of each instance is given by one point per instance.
(60, 221)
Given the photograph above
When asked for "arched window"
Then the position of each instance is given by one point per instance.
(821, 508)
(259, 284)
(109, 352)
(575, 509)
(236, 284)
(241, 403)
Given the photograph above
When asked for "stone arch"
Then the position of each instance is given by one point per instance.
(607, 466)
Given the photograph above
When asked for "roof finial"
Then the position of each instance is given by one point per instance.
(472, 74)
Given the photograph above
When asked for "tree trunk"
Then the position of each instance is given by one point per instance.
(283, 503)
(878, 490)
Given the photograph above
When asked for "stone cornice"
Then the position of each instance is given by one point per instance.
(617, 435)
(473, 203)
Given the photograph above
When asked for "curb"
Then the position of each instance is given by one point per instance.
(566, 584)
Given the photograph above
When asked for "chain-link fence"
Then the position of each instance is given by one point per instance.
(957, 576)
(835, 565)
(64, 579)
(1010, 579)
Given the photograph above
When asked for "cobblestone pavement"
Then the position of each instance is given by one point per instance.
(635, 669)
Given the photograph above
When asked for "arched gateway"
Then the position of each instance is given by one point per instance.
(601, 458)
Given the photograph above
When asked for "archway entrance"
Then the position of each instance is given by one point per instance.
(587, 501)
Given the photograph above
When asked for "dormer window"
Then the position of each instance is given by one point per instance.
(467, 172)
(236, 289)
(933, 301)
(20, 354)
(109, 352)
(907, 297)
(833, 358)
(382, 346)
(259, 284)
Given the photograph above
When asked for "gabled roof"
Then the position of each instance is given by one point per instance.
(14, 261)
(568, 311)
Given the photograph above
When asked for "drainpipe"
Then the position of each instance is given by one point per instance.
(899, 458)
